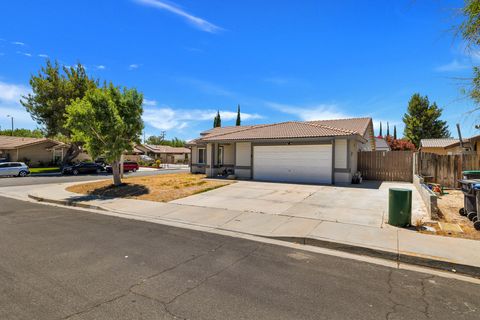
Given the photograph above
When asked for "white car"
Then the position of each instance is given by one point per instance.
(18, 169)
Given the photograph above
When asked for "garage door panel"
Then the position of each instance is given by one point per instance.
(297, 163)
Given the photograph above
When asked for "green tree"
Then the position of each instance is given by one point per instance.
(53, 90)
(109, 121)
(239, 120)
(156, 140)
(27, 133)
(422, 120)
(388, 129)
(394, 132)
(161, 141)
(217, 121)
(470, 31)
(380, 133)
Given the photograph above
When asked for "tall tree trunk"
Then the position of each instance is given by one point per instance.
(117, 180)
(72, 152)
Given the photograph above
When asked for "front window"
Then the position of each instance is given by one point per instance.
(201, 155)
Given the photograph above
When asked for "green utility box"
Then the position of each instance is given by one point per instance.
(399, 207)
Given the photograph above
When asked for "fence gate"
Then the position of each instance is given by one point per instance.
(386, 165)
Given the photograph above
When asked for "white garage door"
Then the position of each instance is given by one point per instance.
(293, 163)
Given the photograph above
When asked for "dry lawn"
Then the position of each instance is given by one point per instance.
(449, 204)
(161, 188)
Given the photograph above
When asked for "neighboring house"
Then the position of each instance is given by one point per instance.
(305, 152)
(34, 151)
(474, 144)
(440, 146)
(381, 144)
(165, 154)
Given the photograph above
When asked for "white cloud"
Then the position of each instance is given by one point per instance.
(198, 22)
(455, 65)
(167, 118)
(10, 95)
(42, 55)
(25, 54)
(12, 92)
(151, 103)
(18, 43)
(310, 113)
(133, 66)
(101, 67)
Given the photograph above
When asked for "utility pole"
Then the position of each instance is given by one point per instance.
(9, 116)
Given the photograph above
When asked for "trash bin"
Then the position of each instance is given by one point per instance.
(476, 219)
(399, 207)
(471, 174)
(469, 202)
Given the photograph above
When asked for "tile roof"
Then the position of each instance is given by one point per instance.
(286, 130)
(438, 143)
(9, 142)
(359, 125)
(166, 149)
(282, 130)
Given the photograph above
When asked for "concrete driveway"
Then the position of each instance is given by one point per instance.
(365, 204)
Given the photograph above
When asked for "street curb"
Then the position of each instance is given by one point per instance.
(449, 266)
(70, 203)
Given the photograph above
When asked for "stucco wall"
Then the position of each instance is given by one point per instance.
(243, 173)
(35, 154)
(194, 155)
(243, 154)
(209, 170)
(343, 177)
(341, 153)
(228, 154)
(354, 147)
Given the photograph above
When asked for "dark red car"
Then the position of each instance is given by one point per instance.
(127, 166)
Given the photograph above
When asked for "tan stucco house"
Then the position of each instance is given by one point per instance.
(166, 154)
(323, 152)
(446, 146)
(35, 151)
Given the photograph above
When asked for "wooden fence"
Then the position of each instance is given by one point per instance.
(386, 165)
(445, 169)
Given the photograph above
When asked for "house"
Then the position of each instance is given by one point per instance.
(381, 144)
(474, 144)
(443, 146)
(165, 154)
(33, 151)
(306, 152)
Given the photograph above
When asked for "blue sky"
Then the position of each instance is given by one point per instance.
(280, 60)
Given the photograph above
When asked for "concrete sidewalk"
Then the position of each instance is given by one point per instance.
(401, 245)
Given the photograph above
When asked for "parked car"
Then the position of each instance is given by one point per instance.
(127, 166)
(17, 169)
(83, 167)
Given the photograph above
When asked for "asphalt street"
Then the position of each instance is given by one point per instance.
(61, 263)
(59, 178)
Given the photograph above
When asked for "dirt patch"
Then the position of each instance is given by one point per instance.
(448, 206)
(161, 188)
